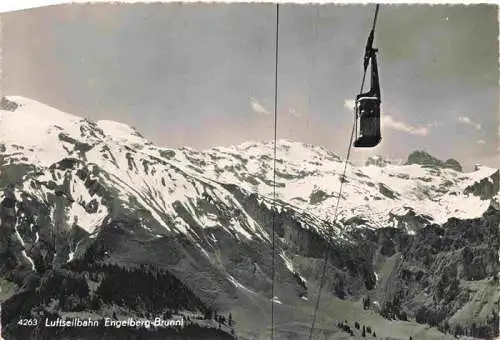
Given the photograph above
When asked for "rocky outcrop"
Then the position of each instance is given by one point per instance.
(350, 270)
(452, 164)
(486, 188)
(445, 276)
(410, 221)
(377, 161)
(425, 159)
(386, 191)
(8, 105)
(11, 246)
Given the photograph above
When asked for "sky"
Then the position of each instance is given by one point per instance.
(15, 5)
(202, 75)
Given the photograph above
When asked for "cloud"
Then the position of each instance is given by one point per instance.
(257, 107)
(481, 141)
(468, 121)
(391, 123)
(434, 124)
(349, 104)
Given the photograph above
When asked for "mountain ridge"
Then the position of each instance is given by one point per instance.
(309, 174)
(99, 192)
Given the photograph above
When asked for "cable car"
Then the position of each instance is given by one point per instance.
(367, 105)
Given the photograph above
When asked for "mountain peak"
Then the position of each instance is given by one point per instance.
(120, 131)
(36, 127)
(377, 161)
(95, 163)
(425, 159)
(287, 148)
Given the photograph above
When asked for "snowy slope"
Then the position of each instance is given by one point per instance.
(113, 156)
(308, 177)
(305, 171)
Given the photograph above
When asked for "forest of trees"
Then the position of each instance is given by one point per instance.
(366, 331)
(146, 291)
(146, 288)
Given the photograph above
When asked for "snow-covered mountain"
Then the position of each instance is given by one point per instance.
(85, 192)
(308, 177)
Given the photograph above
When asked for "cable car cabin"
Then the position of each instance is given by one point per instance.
(368, 111)
(368, 105)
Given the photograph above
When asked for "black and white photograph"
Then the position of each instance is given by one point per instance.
(250, 171)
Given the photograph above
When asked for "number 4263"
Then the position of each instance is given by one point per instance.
(27, 322)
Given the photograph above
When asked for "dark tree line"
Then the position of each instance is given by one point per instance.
(365, 330)
(146, 288)
(392, 309)
(488, 330)
(69, 290)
